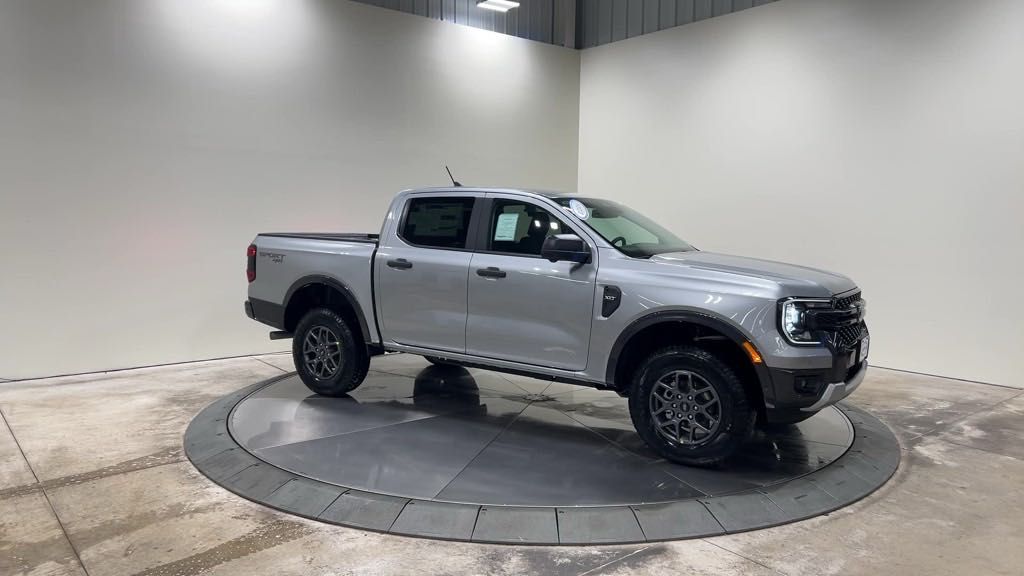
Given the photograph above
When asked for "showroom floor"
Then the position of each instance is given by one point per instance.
(93, 480)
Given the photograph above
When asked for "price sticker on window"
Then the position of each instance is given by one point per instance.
(505, 228)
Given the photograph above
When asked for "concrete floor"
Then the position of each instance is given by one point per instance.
(93, 481)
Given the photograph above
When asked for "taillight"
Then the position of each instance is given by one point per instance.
(250, 262)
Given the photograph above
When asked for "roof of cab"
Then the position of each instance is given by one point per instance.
(527, 191)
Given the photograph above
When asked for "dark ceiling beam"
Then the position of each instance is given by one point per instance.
(573, 23)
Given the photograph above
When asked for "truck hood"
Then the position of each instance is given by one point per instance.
(796, 280)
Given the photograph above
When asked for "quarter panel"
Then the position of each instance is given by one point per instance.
(280, 262)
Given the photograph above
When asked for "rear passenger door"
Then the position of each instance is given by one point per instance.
(421, 269)
(521, 307)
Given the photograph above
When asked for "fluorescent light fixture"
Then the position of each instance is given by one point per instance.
(497, 5)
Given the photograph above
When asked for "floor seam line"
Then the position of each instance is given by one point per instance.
(18, 444)
(747, 558)
(558, 527)
(947, 377)
(43, 484)
(269, 364)
(610, 562)
(112, 370)
(399, 515)
(46, 496)
(667, 471)
(432, 416)
(949, 425)
(603, 437)
(506, 379)
(481, 451)
(715, 518)
(476, 520)
(994, 453)
(637, 518)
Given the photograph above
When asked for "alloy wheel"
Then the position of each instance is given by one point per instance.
(685, 408)
(321, 352)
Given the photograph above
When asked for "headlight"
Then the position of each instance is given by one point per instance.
(791, 319)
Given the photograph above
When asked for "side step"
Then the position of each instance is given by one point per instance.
(280, 335)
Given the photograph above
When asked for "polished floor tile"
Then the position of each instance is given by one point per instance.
(415, 430)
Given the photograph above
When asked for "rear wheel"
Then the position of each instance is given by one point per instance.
(328, 357)
(690, 407)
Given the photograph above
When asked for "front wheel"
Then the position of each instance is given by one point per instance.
(328, 357)
(690, 407)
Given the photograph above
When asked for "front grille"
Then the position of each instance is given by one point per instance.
(847, 336)
(846, 301)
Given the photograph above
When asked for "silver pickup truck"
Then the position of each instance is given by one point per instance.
(570, 289)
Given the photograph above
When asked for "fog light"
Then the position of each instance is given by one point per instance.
(808, 385)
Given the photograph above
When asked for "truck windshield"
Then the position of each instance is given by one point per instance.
(629, 231)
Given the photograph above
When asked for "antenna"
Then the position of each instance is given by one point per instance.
(454, 183)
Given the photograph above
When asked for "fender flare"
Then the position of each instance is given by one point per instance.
(339, 286)
(729, 330)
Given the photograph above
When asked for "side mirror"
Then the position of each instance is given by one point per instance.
(568, 247)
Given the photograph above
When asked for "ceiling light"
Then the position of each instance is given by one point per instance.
(497, 5)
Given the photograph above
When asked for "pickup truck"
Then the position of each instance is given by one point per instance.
(572, 289)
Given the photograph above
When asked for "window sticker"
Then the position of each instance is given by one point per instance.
(579, 209)
(505, 229)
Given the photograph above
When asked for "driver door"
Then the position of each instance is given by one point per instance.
(522, 307)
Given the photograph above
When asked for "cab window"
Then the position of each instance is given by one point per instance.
(520, 228)
(437, 222)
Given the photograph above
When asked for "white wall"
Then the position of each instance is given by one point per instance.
(143, 143)
(881, 139)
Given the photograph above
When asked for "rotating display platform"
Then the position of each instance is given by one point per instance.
(445, 452)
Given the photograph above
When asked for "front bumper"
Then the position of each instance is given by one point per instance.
(836, 391)
(809, 390)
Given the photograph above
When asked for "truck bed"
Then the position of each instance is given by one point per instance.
(336, 236)
(286, 261)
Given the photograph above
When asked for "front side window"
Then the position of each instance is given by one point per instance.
(629, 231)
(520, 227)
(437, 222)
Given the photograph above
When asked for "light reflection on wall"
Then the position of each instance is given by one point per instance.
(485, 53)
(237, 37)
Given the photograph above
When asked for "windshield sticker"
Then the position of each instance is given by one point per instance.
(579, 209)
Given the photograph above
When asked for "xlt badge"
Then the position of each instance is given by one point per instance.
(610, 303)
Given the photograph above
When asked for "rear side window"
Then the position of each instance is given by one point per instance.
(437, 222)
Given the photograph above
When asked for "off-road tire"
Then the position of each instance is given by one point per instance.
(354, 361)
(736, 416)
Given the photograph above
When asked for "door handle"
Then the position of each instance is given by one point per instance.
(491, 272)
(401, 264)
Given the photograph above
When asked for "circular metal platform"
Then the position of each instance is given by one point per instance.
(445, 452)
